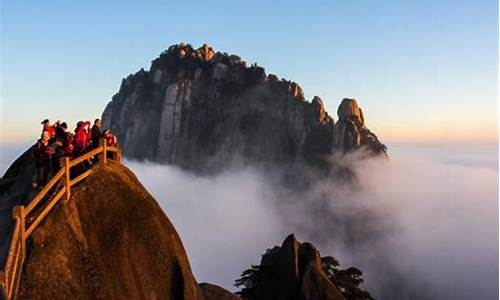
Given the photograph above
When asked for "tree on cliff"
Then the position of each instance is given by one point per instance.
(250, 283)
(347, 281)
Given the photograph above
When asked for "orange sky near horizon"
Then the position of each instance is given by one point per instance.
(436, 132)
(392, 131)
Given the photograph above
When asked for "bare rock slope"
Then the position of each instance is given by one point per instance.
(110, 241)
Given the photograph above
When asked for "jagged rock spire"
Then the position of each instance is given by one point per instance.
(350, 132)
(294, 272)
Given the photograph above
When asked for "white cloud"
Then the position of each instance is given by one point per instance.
(422, 225)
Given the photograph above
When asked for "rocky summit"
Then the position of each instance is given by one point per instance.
(203, 110)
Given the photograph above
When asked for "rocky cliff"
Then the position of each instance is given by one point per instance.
(202, 110)
(291, 271)
(350, 132)
(295, 272)
(110, 241)
(16, 192)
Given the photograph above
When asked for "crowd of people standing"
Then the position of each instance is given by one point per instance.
(57, 142)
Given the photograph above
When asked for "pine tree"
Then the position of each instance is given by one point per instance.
(348, 281)
(250, 283)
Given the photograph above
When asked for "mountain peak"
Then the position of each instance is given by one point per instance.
(204, 110)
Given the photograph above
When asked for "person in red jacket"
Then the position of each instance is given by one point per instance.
(81, 137)
(48, 128)
(43, 153)
(110, 138)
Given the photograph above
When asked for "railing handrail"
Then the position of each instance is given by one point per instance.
(44, 191)
(11, 273)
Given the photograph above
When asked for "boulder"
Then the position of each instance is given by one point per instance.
(349, 110)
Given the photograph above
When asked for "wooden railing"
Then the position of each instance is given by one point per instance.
(28, 218)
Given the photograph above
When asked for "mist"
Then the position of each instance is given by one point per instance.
(422, 225)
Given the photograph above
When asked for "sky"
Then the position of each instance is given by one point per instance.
(423, 71)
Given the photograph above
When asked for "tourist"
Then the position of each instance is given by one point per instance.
(61, 131)
(96, 133)
(81, 137)
(48, 128)
(57, 124)
(110, 138)
(68, 145)
(63, 148)
(58, 148)
(42, 153)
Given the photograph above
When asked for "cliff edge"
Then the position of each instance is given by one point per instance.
(110, 241)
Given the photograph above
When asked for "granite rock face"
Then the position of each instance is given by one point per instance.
(350, 132)
(202, 110)
(295, 272)
(110, 241)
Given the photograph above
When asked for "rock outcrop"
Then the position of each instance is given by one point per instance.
(350, 132)
(294, 271)
(203, 110)
(15, 192)
(110, 241)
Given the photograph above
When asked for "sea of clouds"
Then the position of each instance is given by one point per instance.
(421, 225)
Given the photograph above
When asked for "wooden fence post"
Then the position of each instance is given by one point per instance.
(67, 178)
(20, 215)
(104, 152)
(3, 286)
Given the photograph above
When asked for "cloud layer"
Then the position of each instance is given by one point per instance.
(423, 225)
